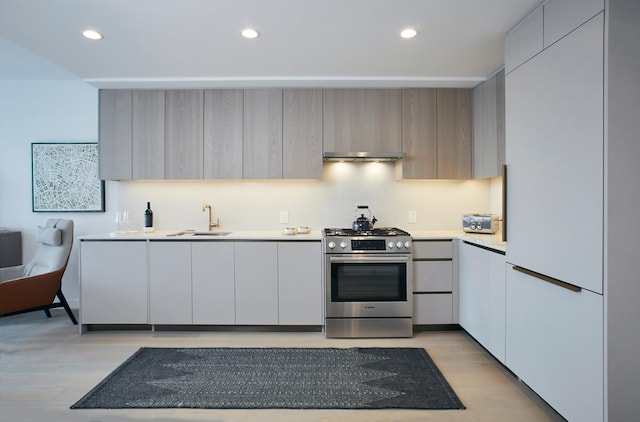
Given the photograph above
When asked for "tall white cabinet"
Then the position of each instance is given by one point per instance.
(554, 336)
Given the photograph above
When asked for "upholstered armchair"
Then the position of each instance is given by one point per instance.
(35, 285)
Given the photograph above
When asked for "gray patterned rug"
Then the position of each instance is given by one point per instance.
(270, 378)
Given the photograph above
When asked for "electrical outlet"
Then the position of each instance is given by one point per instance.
(284, 217)
(412, 216)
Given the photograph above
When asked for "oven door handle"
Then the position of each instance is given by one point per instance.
(369, 259)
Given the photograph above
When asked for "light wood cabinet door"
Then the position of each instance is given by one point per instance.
(184, 134)
(262, 145)
(213, 283)
(115, 140)
(113, 282)
(454, 133)
(170, 283)
(223, 120)
(302, 134)
(488, 127)
(148, 134)
(300, 283)
(357, 120)
(419, 134)
(256, 283)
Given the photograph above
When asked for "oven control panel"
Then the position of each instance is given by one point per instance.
(367, 245)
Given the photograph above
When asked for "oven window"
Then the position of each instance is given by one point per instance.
(368, 282)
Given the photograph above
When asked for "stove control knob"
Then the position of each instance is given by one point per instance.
(343, 244)
(332, 244)
(399, 245)
(407, 244)
(391, 245)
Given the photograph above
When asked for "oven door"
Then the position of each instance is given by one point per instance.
(369, 286)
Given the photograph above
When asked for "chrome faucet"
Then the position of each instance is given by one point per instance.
(212, 225)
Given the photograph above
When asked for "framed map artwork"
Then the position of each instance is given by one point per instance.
(65, 177)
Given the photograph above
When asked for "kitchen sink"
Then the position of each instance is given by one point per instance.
(207, 233)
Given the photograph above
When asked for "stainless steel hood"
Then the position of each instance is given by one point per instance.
(363, 156)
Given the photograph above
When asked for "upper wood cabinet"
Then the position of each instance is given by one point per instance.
(223, 126)
(262, 144)
(453, 129)
(488, 127)
(148, 134)
(184, 134)
(115, 139)
(357, 120)
(436, 133)
(419, 134)
(302, 134)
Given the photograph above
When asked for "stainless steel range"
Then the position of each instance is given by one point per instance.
(369, 283)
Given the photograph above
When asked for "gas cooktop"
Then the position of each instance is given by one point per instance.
(383, 231)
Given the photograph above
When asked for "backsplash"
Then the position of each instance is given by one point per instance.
(256, 205)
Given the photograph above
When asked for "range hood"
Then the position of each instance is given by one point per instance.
(363, 156)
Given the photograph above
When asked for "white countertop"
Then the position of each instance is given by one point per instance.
(493, 241)
(314, 235)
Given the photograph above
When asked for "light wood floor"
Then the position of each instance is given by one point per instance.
(46, 366)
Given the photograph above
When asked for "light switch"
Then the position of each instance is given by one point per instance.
(412, 216)
(284, 217)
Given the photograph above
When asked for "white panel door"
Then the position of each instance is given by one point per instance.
(554, 106)
(213, 284)
(300, 283)
(524, 41)
(554, 344)
(113, 282)
(497, 304)
(256, 269)
(170, 282)
(474, 292)
(563, 16)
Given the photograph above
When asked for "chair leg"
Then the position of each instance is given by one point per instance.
(64, 303)
(47, 313)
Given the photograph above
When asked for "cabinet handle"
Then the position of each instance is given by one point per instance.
(548, 279)
(504, 202)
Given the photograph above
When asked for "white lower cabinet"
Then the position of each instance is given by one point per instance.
(300, 283)
(114, 287)
(179, 282)
(170, 282)
(482, 297)
(213, 283)
(554, 344)
(434, 290)
(256, 283)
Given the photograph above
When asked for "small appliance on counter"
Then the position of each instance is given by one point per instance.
(480, 223)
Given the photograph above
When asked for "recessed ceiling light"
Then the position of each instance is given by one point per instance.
(409, 33)
(92, 35)
(250, 33)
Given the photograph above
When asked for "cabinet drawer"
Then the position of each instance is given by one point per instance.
(428, 249)
(433, 276)
(433, 308)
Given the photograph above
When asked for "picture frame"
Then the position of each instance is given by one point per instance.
(65, 177)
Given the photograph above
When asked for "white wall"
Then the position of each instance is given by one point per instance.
(67, 110)
(40, 111)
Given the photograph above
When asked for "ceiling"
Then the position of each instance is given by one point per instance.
(197, 43)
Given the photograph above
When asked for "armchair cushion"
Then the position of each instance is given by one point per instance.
(49, 236)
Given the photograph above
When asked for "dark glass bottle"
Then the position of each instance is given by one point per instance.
(148, 216)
